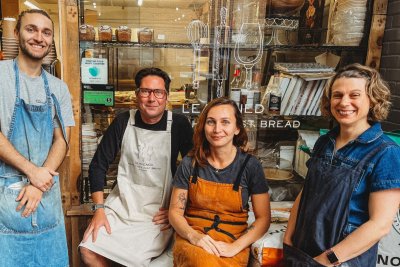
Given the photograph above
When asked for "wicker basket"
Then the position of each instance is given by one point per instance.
(277, 174)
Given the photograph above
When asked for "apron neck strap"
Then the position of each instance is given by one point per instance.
(370, 155)
(195, 173)
(239, 177)
(169, 121)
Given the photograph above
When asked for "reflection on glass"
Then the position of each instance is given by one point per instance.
(250, 37)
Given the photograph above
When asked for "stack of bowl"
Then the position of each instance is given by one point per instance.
(51, 56)
(348, 22)
(9, 43)
(10, 48)
(283, 8)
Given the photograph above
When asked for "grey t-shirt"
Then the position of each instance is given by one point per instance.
(32, 92)
(253, 179)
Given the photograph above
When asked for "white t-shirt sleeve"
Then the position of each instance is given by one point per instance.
(64, 100)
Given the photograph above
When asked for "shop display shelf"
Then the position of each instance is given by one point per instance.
(324, 47)
(91, 44)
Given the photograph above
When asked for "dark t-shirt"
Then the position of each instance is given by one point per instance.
(110, 145)
(253, 178)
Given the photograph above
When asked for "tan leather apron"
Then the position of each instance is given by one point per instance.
(144, 185)
(214, 209)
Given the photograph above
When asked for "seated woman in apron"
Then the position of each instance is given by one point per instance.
(209, 203)
(351, 192)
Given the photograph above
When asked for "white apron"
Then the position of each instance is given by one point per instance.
(144, 185)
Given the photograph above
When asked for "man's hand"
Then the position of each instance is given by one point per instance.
(161, 217)
(205, 242)
(42, 178)
(29, 197)
(99, 220)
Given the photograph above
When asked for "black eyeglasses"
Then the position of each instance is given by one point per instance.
(145, 92)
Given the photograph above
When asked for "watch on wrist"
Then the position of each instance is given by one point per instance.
(97, 206)
(330, 254)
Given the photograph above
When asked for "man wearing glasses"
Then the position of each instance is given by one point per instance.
(131, 227)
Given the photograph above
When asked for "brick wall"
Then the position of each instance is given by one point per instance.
(390, 62)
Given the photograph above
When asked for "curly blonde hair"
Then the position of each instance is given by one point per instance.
(376, 88)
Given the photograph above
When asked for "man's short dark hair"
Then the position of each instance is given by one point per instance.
(31, 11)
(152, 72)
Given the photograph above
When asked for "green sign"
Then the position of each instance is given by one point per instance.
(98, 94)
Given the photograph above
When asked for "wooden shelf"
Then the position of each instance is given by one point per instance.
(81, 210)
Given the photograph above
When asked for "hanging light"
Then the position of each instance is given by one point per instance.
(140, 2)
(30, 5)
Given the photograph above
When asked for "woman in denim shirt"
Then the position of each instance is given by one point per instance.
(352, 189)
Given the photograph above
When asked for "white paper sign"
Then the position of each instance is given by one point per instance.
(389, 246)
(94, 71)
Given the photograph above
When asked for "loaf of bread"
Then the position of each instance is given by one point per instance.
(123, 34)
(87, 32)
(145, 35)
(105, 33)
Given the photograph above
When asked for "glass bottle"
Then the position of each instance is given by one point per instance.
(256, 87)
(247, 95)
(235, 86)
(274, 97)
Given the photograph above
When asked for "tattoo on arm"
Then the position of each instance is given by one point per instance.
(182, 201)
(251, 227)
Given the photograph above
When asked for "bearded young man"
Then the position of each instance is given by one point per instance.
(35, 120)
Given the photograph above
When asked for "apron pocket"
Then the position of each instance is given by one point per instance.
(47, 215)
(294, 257)
(49, 212)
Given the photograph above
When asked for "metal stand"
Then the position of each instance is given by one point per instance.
(280, 24)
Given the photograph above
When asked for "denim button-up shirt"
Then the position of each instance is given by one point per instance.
(380, 173)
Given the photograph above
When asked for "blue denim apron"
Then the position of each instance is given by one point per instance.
(40, 239)
(323, 213)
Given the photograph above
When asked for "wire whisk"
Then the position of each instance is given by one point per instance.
(196, 30)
